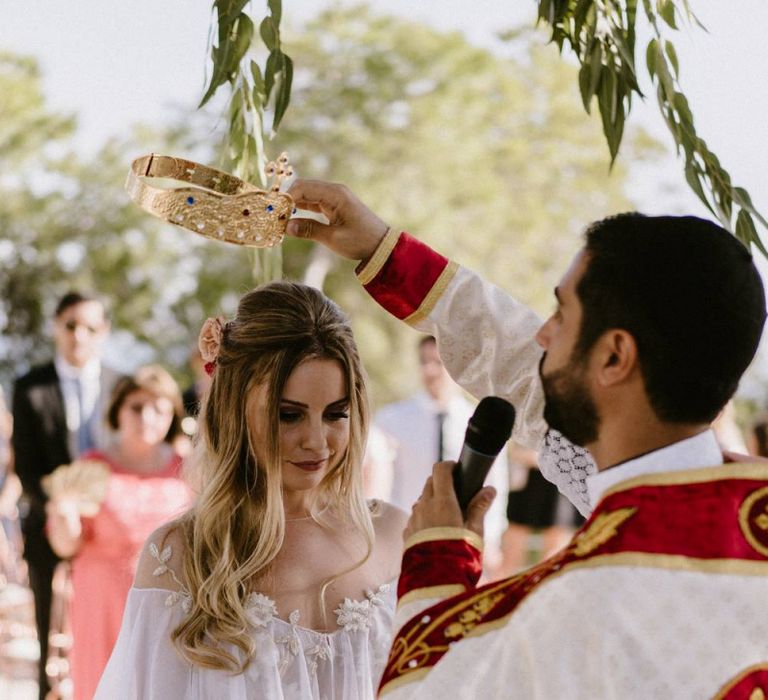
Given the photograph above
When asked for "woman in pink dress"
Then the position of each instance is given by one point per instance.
(143, 489)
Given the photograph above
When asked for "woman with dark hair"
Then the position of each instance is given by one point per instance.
(104, 506)
(279, 583)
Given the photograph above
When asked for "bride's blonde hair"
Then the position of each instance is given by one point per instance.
(236, 528)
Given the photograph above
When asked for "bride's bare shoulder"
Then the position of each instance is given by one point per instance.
(161, 561)
(388, 521)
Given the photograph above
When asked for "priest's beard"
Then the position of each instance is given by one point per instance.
(568, 405)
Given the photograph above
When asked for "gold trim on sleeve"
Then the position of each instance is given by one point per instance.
(445, 591)
(434, 294)
(379, 257)
(435, 534)
(411, 677)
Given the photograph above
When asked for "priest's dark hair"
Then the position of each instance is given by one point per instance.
(690, 295)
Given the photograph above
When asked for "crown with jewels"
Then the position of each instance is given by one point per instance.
(213, 203)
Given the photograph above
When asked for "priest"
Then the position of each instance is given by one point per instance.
(662, 592)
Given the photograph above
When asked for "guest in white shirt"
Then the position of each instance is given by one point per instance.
(429, 427)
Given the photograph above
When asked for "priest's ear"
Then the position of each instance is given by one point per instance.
(615, 357)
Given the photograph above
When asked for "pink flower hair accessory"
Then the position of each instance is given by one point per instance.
(209, 342)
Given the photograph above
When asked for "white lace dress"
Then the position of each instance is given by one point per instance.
(291, 661)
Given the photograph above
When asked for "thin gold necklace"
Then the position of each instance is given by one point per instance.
(308, 517)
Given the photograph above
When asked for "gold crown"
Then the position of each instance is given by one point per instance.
(215, 204)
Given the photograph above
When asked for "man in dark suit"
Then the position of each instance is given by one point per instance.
(57, 411)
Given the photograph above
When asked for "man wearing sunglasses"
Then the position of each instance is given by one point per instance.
(57, 408)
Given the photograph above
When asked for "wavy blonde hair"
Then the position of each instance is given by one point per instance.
(236, 528)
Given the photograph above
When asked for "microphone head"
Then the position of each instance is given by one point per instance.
(490, 426)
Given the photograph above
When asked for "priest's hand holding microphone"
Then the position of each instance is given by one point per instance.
(454, 496)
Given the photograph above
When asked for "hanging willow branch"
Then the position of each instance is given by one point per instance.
(600, 32)
(602, 35)
(254, 92)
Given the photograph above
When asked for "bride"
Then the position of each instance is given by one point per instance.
(280, 580)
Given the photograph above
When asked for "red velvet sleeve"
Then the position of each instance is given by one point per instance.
(404, 274)
(440, 558)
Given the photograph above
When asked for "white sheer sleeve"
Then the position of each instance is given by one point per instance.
(144, 664)
(487, 341)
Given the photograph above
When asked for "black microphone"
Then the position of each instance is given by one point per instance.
(488, 430)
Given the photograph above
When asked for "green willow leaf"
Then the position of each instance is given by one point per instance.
(584, 82)
(269, 34)
(663, 75)
(283, 92)
(745, 228)
(242, 40)
(276, 8)
(273, 68)
(669, 47)
(742, 198)
(596, 60)
(666, 9)
(693, 179)
(685, 116)
(611, 111)
(650, 57)
(631, 18)
(258, 82)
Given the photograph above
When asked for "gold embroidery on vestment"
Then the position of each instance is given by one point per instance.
(603, 528)
(755, 527)
(379, 257)
(757, 693)
(469, 619)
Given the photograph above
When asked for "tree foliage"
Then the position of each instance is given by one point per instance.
(254, 92)
(486, 158)
(66, 222)
(601, 33)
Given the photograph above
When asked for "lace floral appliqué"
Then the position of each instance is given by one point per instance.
(261, 609)
(351, 616)
(291, 644)
(174, 596)
(357, 615)
(320, 652)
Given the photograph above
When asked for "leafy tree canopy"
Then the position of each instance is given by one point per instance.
(487, 158)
